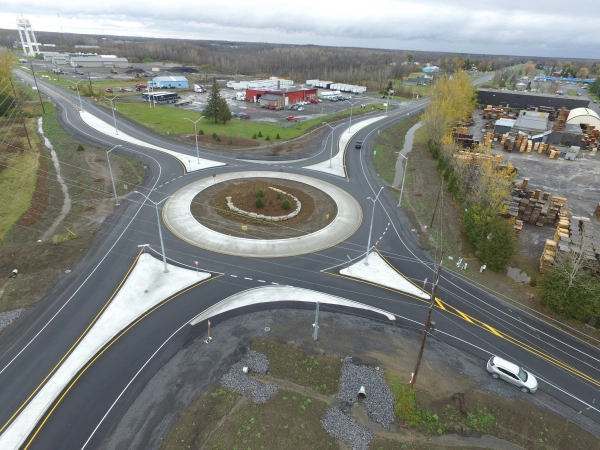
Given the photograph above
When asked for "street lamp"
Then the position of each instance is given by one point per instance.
(331, 150)
(162, 245)
(111, 175)
(111, 100)
(77, 87)
(351, 108)
(371, 227)
(196, 134)
(403, 178)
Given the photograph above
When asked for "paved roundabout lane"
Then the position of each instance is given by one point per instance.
(94, 405)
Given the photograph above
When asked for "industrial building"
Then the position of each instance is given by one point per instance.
(503, 126)
(531, 122)
(97, 61)
(56, 58)
(177, 82)
(273, 83)
(585, 117)
(337, 86)
(280, 98)
(524, 100)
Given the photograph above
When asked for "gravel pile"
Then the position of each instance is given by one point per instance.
(237, 381)
(340, 426)
(8, 317)
(379, 402)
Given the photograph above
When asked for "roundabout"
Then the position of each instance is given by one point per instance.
(184, 221)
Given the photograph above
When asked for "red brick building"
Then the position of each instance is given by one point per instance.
(280, 98)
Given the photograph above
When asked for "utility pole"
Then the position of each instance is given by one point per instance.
(436, 204)
(22, 117)
(427, 323)
(37, 88)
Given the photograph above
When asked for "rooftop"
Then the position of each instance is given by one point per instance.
(521, 93)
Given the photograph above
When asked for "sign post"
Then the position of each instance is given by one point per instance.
(208, 338)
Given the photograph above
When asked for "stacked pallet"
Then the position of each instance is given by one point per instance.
(552, 152)
(493, 113)
(518, 227)
(552, 113)
(535, 207)
(591, 137)
(476, 158)
(548, 256)
(597, 213)
(561, 119)
(542, 148)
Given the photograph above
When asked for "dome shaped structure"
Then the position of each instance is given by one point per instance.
(580, 116)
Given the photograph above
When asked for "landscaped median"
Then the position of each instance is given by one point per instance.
(168, 120)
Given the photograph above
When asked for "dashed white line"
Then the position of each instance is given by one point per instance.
(180, 176)
(261, 281)
(166, 182)
(234, 276)
(275, 283)
(247, 278)
(161, 185)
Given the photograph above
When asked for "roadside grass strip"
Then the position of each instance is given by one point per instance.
(189, 162)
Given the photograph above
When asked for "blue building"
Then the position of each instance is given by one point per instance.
(431, 69)
(169, 83)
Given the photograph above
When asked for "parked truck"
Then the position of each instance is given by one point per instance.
(199, 88)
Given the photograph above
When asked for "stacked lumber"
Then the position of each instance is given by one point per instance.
(548, 256)
(535, 207)
(552, 113)
(591, 137)
(542, 148)
(463, 157)
(597, 213)
(561, 119)
(518, 226)
(493, 113)
(552, 152)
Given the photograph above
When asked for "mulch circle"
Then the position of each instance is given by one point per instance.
(209, 208)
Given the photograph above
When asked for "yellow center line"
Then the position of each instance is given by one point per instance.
(100, 353)
(74, 345)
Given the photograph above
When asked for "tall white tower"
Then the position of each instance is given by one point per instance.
(30, 45)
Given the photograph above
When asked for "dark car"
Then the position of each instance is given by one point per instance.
(358, 144)
(244, 116)
(291, 119)
(108, 90)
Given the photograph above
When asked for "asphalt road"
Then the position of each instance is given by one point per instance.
(469, 319)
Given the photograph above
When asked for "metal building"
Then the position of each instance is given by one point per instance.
(524, 100)
(97, 61)
(169, 83)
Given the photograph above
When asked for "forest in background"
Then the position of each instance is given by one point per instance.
(370, 67)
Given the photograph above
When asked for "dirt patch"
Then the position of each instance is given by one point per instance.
(210, 208)
(40, 263)
(245, 195)
(452, 384)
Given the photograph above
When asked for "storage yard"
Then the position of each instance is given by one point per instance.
(556, 195)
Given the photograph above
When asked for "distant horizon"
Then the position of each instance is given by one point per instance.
(482, 27)
(100, 35)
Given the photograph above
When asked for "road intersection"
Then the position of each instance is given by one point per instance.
(466, 316)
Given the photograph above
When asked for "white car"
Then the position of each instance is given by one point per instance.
(300, 109)
(510, 372)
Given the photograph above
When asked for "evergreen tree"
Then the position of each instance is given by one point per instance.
(224, 114)
(211, 111)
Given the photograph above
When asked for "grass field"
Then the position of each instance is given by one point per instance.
(18, 178)
(387, 144)
(168, 120)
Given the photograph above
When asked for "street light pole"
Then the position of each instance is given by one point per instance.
(371, 227)
(351, 108)
(331, 148)
(37, 88)
(403, 178)
(111, 175)
(113, 111)
(196, 135)
(162, 245)
(77, 87)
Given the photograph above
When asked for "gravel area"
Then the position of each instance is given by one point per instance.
(379, 402)
(340, 426)
(237, 381)
(8, 317)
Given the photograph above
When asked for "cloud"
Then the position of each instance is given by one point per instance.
(550, 28)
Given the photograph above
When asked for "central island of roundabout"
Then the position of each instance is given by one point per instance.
(201, 214)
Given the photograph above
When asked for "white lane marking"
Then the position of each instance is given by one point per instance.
(247, 278)
(234, 276)
(161, 186)
(261, 281)
(275, 283)
(166, 182)
(180, 176)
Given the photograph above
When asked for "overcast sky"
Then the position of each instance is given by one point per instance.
(552, 28)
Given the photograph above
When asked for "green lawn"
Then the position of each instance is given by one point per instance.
(169, 120)
(67, 79)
